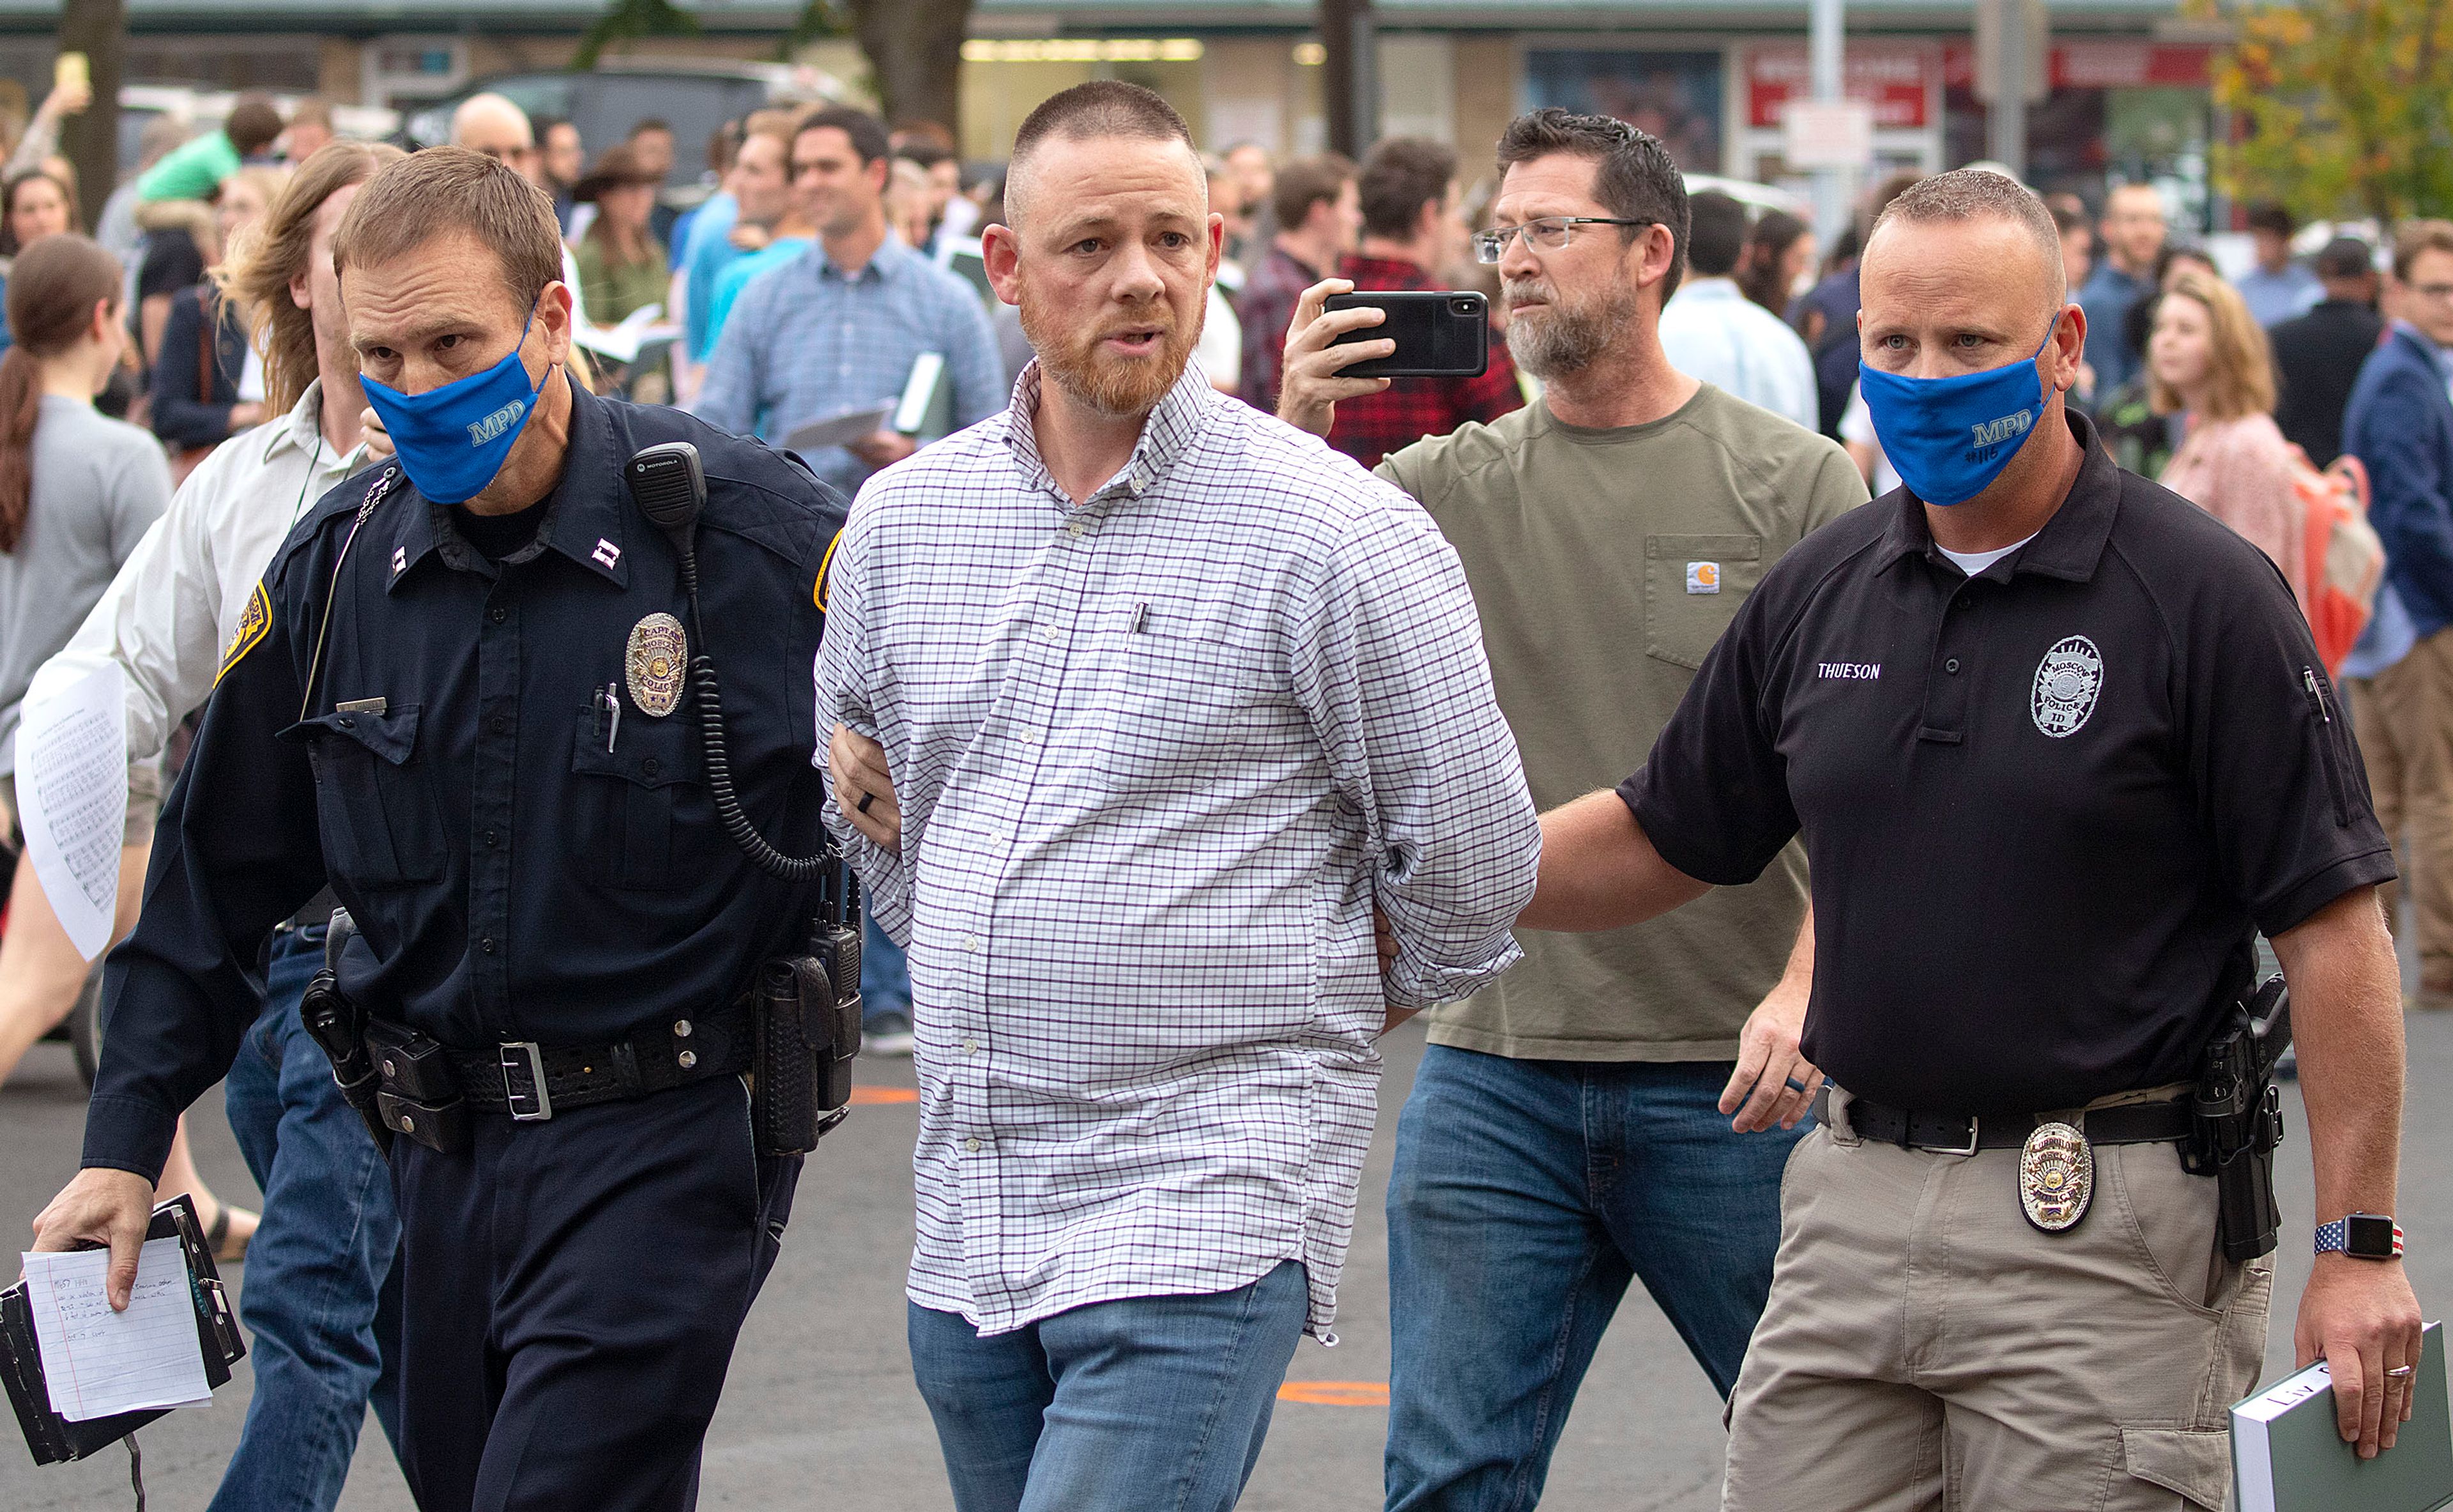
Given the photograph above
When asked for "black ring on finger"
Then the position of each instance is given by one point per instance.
(865, 799)
(1796, 1085)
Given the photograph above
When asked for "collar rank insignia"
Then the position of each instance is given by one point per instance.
(608, 553)
(653, 665)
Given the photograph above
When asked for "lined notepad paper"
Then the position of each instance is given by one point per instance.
(99, 1361)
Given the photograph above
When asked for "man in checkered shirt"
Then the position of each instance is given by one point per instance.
(1174, 699)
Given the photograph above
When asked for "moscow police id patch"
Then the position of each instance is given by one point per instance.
(252, 622)
(2056, 1177)
(654, 663)
(2067, 681)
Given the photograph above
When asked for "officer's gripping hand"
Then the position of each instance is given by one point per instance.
(101, 1206)
(857, 764)
(1310, 387)
(2359, 1317)
(1770, 1068)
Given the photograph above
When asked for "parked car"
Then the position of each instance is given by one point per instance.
(203, 109)
(694, 97)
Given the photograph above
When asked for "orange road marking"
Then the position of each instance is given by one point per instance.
(868, 1096)
(1336, 1393)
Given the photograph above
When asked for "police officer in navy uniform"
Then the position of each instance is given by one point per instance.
(2058, 746)
(459, 699)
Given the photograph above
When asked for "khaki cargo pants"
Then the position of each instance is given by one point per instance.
(1924, 1348)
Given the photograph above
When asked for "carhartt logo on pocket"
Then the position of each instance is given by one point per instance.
(1703, 577)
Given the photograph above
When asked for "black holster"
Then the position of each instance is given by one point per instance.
(338, 1025)
(804, 1017)
(2237, 1119)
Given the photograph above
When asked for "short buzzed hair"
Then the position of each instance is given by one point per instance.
(1100, 107)
(1976, 193)
(446, 190)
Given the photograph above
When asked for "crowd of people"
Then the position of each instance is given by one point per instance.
(1245, 707)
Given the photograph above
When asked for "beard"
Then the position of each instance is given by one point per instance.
(1114, 386)
(1562, 336)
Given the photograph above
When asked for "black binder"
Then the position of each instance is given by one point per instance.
(53, 1438)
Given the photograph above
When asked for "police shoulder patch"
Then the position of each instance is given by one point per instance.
(252, 624)
(826, 566)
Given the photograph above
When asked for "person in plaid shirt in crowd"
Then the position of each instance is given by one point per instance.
(1411, 234)
(1315, 203)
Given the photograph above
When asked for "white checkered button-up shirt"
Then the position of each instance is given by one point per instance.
(1158, 755)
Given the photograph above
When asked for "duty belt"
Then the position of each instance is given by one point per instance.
(531, 1082)
(1950, 1134)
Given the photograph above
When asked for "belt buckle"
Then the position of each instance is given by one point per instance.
(512, 1052)
(1968, 1148)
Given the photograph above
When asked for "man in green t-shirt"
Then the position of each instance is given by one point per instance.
(196, 168)
(1570, 1127)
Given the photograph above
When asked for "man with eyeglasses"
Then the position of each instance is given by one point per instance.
(1570, 1128)
(2400, 424)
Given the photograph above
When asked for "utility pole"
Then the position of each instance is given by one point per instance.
(2005, 131)
(1348, 84)
(1825, 43)
(98, 29)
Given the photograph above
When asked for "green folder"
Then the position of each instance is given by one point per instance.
(2288, 1456)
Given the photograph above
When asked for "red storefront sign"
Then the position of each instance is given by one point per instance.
(2107, 65)
(1896, 81)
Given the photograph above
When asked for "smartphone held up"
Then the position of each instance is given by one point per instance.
(1440, 333)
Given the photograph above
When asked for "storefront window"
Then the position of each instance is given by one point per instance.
(1676, 96)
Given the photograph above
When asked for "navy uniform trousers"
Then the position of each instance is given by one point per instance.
(574, 1288)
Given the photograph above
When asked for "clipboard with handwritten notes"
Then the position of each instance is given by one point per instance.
(82, 1377)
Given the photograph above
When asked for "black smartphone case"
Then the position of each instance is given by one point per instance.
(53, 1438)
(1440, 333)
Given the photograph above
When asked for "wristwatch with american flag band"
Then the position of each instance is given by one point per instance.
(2361, 1236)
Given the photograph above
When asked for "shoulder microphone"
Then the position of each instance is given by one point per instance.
(669, 487)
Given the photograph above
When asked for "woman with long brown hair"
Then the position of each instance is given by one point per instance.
(77, 491)
(34, 204)
(2207, 361)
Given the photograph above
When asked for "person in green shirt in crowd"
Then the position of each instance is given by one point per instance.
(196, 169)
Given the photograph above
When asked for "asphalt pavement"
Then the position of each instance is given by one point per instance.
(820, 1410)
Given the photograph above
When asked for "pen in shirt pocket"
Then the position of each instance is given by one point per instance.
(1141, 618)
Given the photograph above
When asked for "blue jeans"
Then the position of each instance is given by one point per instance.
(1146, 1404)
(1526, 1195)
(885, 974)
(321, 1296)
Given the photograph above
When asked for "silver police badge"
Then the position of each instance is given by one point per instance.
(658, 652)
(2067, 681)
(2056, 1177)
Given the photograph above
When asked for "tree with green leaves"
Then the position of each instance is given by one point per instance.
(2347, 108)
(628, 21)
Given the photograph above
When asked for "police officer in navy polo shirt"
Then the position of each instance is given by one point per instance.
(459, 699)
(2059, 747)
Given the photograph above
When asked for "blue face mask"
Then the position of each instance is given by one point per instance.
(453, 439)
(1949, 438)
